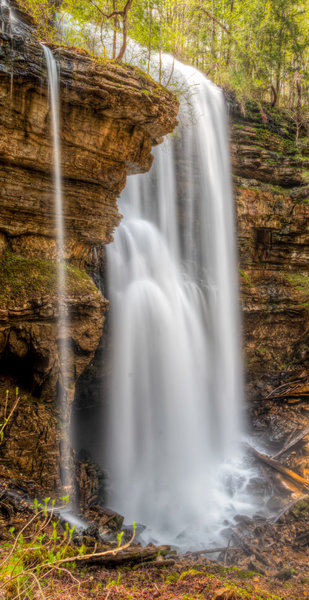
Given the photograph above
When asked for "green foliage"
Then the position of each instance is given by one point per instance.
(119, 538)
(246, 277)
(258, 48)
(43, 13)
(113, 582)
(300, 282)
(36, 549)
(301, 509)
(18, 286)
(41, 551)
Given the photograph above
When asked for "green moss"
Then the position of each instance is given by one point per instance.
(231, 578)
(245, 277)
(172, 578)
(190, 572)
(305, 175)
(218, 569)
(300, 282)
(23, 279)
(261, 350)
(301, 509)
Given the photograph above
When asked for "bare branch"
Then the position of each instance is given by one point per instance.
(214, 19)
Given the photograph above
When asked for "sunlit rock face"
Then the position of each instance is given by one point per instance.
(111, 116)
(272, 191)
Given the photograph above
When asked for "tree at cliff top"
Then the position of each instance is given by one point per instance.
(259, 48)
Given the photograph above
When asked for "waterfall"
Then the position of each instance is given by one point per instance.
(175, 406)
(7, 17)
(63, 349)
(8, 21)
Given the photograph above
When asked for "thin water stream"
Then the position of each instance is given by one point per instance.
(62, 324)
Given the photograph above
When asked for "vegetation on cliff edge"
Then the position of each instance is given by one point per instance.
(24, 279)
(260, 49)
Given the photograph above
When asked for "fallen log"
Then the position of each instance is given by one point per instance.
(292, 392)
(212, 550)
(300, 482)
(300, 436)
(292, 398)
(131, 555)
(286, 388)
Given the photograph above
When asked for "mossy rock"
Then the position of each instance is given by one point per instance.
(25, 279)
(301, 509)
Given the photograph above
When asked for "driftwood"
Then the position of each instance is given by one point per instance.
(290, 444)
(299, 481)
(296, 390)
(130, 555)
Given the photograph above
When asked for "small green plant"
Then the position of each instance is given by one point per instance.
(246, 277)
(7, 416)
(172, 578)
(113, 582)
(41, 550)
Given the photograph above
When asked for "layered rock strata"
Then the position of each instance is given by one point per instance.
(111, 116)
(272, 202)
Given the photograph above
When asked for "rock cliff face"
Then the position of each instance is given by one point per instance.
(111, 116)
(272, 201)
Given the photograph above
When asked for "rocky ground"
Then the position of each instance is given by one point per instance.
(263, 558)
(190, 577)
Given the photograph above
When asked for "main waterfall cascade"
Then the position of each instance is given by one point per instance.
(175, 411)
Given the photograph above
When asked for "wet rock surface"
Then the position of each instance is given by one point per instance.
(110, 117)
(271, 186)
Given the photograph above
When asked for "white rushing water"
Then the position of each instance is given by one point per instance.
(177, 391)
(8, 23)
(63, 349)
(7, 17)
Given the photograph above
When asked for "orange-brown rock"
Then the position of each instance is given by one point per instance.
(272, 203)
(111, 116)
